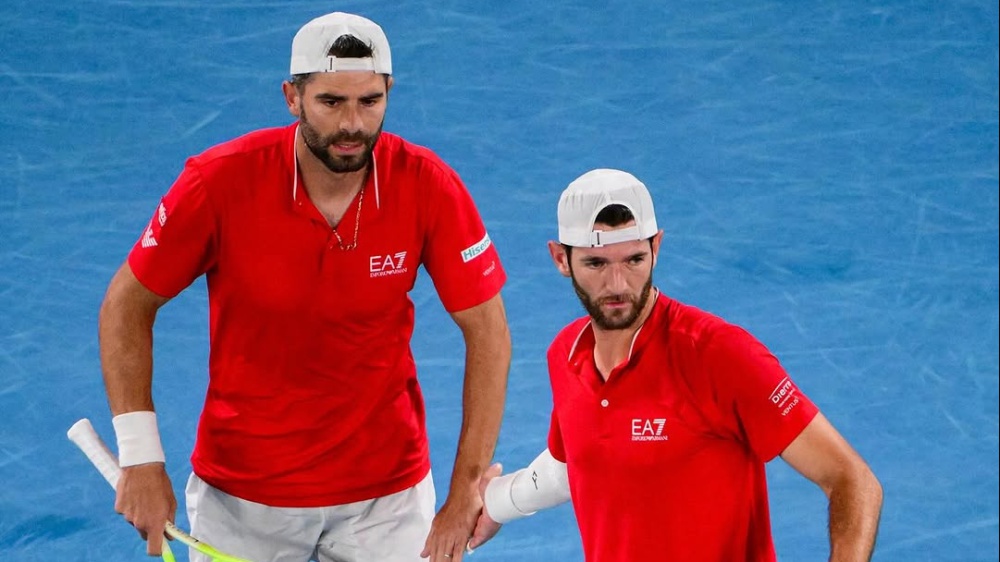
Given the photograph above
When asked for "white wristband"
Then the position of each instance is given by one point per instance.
(138, 438)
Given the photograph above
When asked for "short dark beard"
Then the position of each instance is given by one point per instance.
(605, 322)
(318, 145)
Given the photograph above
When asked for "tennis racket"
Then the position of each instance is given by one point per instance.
(86, 438)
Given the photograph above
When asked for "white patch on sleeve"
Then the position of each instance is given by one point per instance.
(476, 249)
(785, 396)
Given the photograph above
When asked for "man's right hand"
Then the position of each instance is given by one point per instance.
(146, 499)
(486, 527)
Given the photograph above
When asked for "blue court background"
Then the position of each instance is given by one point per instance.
(826, 174)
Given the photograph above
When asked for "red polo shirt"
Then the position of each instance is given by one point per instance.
(666, 458)
(313, 397)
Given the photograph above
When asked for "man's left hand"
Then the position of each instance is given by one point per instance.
(453, 525)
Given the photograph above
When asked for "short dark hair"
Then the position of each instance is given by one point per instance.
(346, 46)
(612, 215)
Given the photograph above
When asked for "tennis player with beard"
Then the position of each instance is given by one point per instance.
(312, 443)
(665, 415)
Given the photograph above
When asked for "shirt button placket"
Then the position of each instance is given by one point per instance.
(605, 421)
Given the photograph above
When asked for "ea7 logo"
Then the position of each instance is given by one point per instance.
(391, 264)
(648, 429)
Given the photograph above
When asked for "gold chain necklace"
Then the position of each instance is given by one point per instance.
(357, 224)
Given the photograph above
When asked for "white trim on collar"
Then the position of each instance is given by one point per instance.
(295, 177)
(654, 296)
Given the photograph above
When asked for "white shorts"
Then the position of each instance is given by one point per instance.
(388, 529)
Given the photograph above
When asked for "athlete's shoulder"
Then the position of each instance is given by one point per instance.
(412, 159)
(256, 146)
(692, 324)
(398, 148)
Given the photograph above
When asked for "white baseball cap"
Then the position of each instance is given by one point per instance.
(589, 194)
(313, 41)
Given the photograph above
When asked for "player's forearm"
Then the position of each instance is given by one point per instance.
(855, 509)
(482, 411)
(488, 352)
(125, 334)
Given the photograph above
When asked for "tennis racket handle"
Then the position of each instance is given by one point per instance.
(83, 435)
(86, 438)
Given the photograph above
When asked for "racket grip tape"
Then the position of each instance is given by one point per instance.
(83, 435)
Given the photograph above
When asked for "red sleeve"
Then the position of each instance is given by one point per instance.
(755, 392)
(178, 244)
(458, 252)
(555, 440)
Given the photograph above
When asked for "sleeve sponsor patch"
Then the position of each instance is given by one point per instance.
(784, 396)
(476, 249)
(149, 235)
